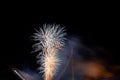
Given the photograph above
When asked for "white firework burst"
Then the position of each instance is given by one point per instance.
(50, 39)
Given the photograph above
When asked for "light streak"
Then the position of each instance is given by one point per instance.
(18, 74)
(50, 39)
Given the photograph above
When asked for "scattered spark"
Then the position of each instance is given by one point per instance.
(50, 39)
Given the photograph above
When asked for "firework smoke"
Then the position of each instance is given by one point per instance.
(49, 40)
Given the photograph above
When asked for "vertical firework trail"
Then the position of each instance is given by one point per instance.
(50, 39)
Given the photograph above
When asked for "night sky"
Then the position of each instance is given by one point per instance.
(94, 28)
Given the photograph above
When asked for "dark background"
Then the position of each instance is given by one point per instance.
(95, 26)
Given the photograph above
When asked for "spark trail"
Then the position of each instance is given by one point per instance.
(49, 39)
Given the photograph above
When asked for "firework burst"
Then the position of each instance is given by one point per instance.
(50, 39)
